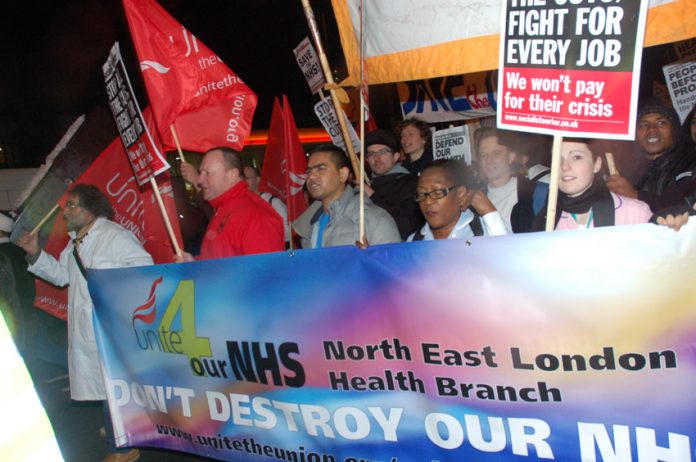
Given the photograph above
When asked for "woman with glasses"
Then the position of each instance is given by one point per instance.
(451, 210)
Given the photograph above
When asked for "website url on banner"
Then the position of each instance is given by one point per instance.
(542, 120)
(250, 446)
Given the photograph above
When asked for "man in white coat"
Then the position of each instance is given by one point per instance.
(96, 242)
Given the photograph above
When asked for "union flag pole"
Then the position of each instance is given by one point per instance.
(331, 86)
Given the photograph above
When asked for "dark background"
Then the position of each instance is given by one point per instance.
(52, 52)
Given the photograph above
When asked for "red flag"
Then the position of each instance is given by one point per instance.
(285, 165)
(188, 85)
(135, 209)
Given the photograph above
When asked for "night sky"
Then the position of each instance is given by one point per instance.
(53, 51)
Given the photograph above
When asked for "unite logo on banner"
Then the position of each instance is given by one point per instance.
(247, 361)
(164, 338)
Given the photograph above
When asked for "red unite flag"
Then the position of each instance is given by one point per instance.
(135, 209)
(188, 85)
(285, 165)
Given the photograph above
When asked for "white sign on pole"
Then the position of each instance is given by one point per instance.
(326, 114)
(681, 81)
(308, 61)
(452, 143)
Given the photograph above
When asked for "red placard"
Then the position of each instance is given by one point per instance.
(571, 67)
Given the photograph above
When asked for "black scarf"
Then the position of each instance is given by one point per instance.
(597, 197)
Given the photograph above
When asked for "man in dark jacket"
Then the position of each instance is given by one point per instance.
(393, 188)
(668, 180)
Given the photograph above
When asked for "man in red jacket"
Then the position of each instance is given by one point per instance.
(243, 223)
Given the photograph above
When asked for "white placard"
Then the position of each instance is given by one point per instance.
(681, 82)
(327, 116)
(308, 61)
(452, 143)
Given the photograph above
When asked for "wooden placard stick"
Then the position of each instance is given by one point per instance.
(330, 85)
(176, 142)
(611, 165)
(553, 182)
(165, 217)
(45, 219)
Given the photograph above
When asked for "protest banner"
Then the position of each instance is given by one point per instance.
(189, 86)
(324, 110)
(488, 349)
(571, 68)
(444, 99)
(307, 59)
(144, 154)
(452, 143)
(285, 165)
(681, 82)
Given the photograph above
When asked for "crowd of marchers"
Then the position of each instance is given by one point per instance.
(409, 196)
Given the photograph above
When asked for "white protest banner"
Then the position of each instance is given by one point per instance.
(143, 153)
(681, 81)
(308, 61)
(571, 68)
(444, 99)
(452, 143)
(327, 116)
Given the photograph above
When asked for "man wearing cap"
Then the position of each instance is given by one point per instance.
(393, 187)
(334, 218)
(668, 179)
(17, 287)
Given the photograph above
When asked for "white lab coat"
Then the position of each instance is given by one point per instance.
(106, 245)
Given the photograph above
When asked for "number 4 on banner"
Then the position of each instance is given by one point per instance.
(186, 340)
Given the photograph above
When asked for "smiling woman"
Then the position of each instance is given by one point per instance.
(584, 200)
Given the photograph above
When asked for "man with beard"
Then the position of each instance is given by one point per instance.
(95, 242)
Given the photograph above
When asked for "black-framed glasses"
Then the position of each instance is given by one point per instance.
(435, 193)
(381, 152)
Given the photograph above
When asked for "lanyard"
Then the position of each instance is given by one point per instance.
(589, 222)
